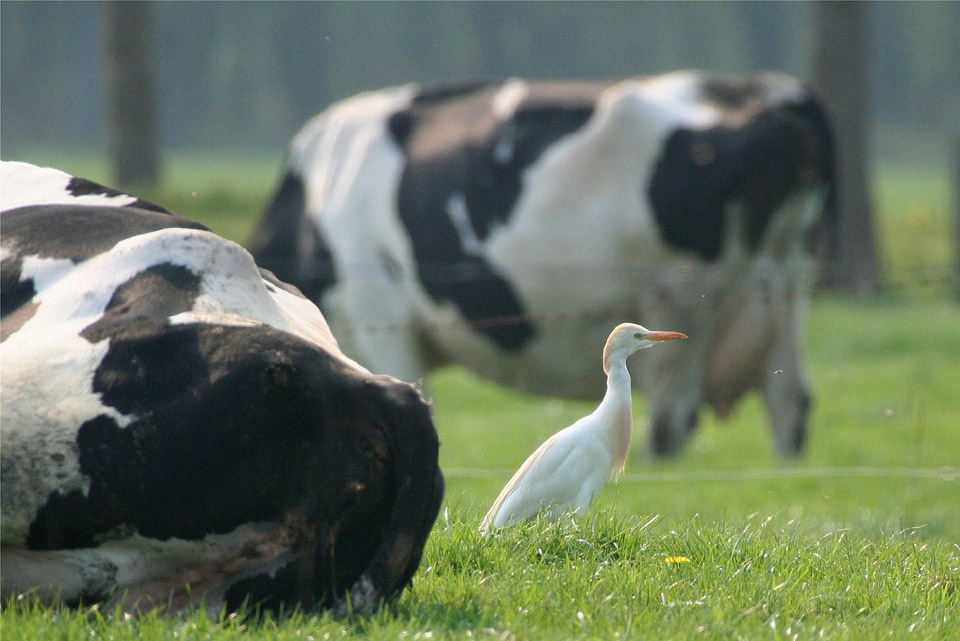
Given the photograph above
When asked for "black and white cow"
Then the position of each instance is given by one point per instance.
(509, 226)
(179, 427)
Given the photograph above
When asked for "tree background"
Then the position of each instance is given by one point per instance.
(245, 75)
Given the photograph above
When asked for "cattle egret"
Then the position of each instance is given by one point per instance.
(566, 473)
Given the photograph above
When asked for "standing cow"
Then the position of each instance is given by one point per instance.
(179, 427)
(508, 226)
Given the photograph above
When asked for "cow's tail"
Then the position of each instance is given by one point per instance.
(419, 491)
(274, 241)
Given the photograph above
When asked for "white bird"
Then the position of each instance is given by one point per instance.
(565, 474)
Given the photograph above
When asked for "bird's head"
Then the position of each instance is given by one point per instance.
(627, 338)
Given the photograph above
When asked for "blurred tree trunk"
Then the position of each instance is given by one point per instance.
(840, 73)
(956, 220)
(132, 121)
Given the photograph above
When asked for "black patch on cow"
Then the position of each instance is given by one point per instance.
(702, 172)
(66, 521)
(457, 148)
(15, 296)
(77, 232)
(15, 320)
(335, 572)
(84, 187)
(149, 298)
(401, 126)
(443, 92)
(16, 293)
(287, 243)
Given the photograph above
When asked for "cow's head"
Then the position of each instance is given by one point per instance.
(368, 494)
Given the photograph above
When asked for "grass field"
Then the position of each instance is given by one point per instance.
(860, 539)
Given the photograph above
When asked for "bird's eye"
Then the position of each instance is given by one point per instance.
(637, 336)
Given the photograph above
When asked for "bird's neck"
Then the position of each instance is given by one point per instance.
(616, 412)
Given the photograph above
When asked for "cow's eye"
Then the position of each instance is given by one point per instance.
(637, 336)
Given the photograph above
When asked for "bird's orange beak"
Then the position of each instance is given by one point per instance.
(664, 336)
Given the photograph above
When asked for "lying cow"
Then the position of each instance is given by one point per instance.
(179, 427)
(508, 226)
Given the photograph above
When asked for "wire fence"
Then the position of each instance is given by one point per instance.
(713, 296)
(923, 278)
(945, 474)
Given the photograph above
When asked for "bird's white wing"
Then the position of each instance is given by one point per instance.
(566, 471)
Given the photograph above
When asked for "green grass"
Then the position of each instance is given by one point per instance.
(860, 539)
(914, 207)
(608, 577)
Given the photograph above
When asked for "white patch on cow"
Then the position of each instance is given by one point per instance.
(351, 167)
(332, 133)
(47, 358)
(44, 271)
(680, 93)
(504, 106)
(460, 217)
(685, 90)
(594, 174)
(510, 95)
(25, 184)
(208, 314)
(232, 291)
(679, 87)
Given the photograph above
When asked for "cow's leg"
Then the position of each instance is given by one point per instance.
(50, 577)
(672, 386)
(671, 376)
(785, 388)
(671, 425)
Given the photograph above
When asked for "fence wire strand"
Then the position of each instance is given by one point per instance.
(716, 298)
(945, 474)
(923, 278)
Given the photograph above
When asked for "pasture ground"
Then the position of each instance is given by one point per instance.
(859, 539)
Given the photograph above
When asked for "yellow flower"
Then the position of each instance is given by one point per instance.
(676, 559)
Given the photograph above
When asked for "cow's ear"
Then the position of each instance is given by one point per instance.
(414, 448)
